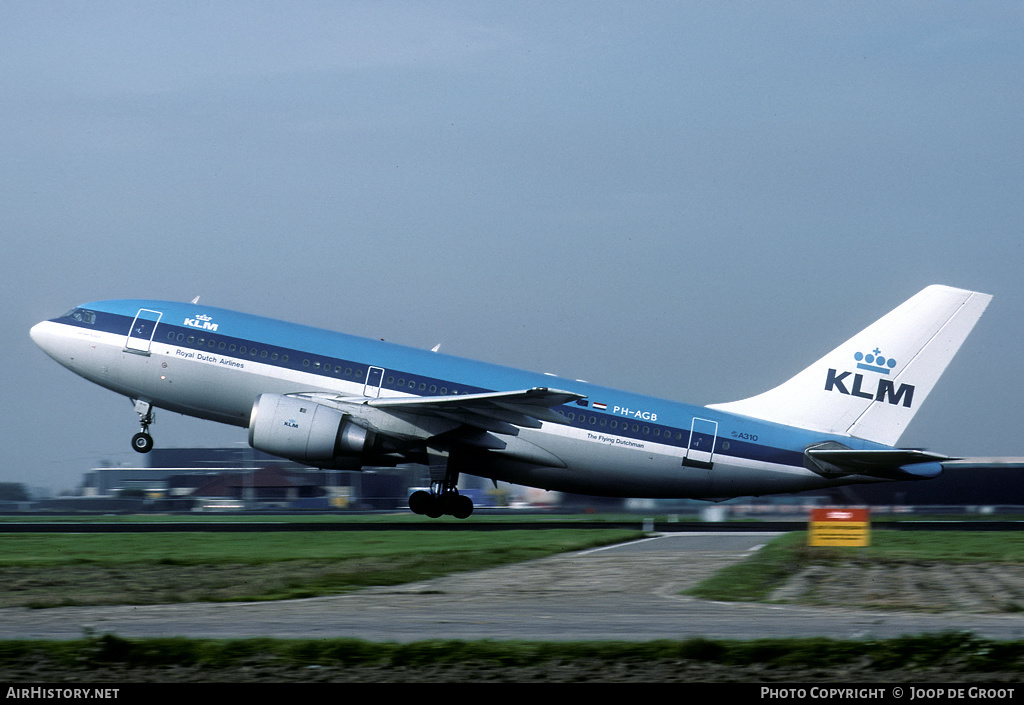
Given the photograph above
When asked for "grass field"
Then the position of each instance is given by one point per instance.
(60, 569)
(756, 577)
(49, 570)
(110, 659)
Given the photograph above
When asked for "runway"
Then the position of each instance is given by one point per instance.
(628, 592)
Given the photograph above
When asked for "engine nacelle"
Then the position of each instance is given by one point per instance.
(302, 430)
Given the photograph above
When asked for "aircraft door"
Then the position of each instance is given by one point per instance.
(374, 377)
(140, 335)
(700, 453)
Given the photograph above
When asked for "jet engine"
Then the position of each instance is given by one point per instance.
(302, 430)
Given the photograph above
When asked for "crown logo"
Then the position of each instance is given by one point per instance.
(874, 361)
(202, 317)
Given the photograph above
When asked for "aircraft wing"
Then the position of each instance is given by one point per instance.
(422, 417)
(489, 421)
(896, 463)
(499, 412)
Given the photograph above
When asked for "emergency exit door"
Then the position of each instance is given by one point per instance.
(140, 335)
(701, 450)
(374, 377)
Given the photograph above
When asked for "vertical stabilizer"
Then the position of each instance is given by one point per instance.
(872, 385)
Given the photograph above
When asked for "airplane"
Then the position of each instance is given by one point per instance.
(332, 400)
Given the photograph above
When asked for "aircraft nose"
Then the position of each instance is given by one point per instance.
(37, 333)
(42, 335)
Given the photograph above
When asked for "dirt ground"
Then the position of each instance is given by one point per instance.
(938, 587)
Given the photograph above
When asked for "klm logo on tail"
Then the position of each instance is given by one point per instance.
(885, 389)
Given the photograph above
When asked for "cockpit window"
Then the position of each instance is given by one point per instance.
(81, 315)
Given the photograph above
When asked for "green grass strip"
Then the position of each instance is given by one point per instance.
(261, 548)
(955, 652)
(57, 570)
(756, 577)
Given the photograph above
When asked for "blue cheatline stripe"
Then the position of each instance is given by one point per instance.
(116, 318)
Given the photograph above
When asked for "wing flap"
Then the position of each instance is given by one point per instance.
(500, 412)
(493, 412)
(489, 421)
(481, 422)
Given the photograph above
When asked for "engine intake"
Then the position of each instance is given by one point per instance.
(302, 430)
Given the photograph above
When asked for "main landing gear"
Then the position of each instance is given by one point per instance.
(142, 442)
(434, 504)
(443, 497)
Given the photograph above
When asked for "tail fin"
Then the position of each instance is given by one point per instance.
(871, 385)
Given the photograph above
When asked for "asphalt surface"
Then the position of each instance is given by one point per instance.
(627, 592)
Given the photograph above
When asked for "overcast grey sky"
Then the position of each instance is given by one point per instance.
(692, 200)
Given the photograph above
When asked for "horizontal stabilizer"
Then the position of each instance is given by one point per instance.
(831, 460)
(984, 464)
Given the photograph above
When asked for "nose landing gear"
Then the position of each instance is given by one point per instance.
(142, 442)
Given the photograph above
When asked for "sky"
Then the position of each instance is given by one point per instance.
(690, 200)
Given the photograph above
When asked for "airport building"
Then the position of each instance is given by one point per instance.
(241, 478)
(227, 479)
(244, 479)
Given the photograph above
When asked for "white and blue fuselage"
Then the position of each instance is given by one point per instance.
(527, 428)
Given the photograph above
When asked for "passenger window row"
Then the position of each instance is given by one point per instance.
(225, 347)
(666, 434)
(421, 387)
(357, 374)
